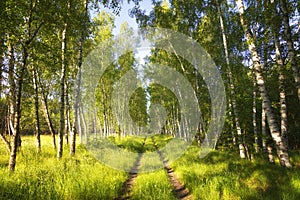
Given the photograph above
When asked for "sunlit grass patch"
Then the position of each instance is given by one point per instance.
(42, 176)
(223, 175)
(131, 143)
(162, 140)
(150, 162)
(154, 186)
(219, 175)
(112, 155)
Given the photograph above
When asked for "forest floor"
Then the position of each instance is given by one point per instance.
(219, 175)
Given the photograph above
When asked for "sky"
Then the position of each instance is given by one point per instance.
(124, 15)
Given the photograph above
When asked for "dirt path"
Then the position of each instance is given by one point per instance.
(180, 191)
(128, 184)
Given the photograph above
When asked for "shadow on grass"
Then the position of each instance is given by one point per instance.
(223, 175)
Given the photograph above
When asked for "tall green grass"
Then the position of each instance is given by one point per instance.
(153, 186)
(219, 175)
(223, 175)
(42, 176)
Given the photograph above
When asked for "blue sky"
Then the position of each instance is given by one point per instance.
(124, 15)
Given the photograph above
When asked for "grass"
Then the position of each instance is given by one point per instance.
(44, 177)
(222, 175)
(219, 175)
(150, 161)
(153, 186)
(152, 183)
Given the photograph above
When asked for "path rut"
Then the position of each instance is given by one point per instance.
(180, 191)
(133, 173)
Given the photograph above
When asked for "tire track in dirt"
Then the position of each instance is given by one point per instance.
(133, 173)
(180, 191)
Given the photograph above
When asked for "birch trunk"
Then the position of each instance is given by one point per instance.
(46, 112)
(20, 72)
(12, 108)
(230, 115)
(12, 88)
(94, 124)
(84, 125)
(36, 107)
(100, 128)
(290, 44)
(264, 128)
(275, 133)
(49, 121)
(263, 112)
(67, 113)
(16, 127)
(270, 154)
(76, 128)
(254, 121)
(105, 123)
(62, 93)
(282, 96)
(82, 119)
(76, 125)
(232, 89)
(3, 125)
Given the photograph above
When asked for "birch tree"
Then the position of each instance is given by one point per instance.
(36, 108)
(76, 128)
(281, 147)
(232, 88)
(29, 35)
(290, 43)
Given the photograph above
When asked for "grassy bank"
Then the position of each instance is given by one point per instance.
(44, 177)
(223, 175)
(220, 175)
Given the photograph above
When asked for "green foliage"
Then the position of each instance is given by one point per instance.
(199, 20)
(138, 107)
(102, 27)
(220, 175)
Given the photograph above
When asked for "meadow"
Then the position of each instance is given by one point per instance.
(219, 175)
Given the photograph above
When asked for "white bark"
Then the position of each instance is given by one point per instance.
(290, 44)
(232, 89)
(254, 120)
(282, 96)
(273, 125)
(62, 92)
